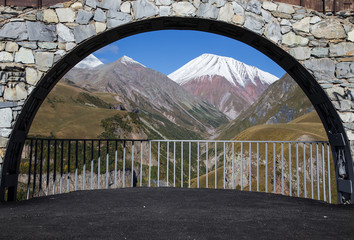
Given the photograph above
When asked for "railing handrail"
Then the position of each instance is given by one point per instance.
(172, 140)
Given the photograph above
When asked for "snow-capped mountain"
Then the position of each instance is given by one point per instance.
(230, 85)
(89, 62)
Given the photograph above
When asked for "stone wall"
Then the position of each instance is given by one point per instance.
(32, 41)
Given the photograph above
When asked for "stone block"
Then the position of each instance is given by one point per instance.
(226, 13)
(303, 25)
(3, 142)
(116, 19)
(69, 46)
(300, 53)
(24, 55)
(109, 4)
(47, 45)
(31, 76)
(270, 6)
(83, 17)
(159, 3)
(126, 6)
(165, 11)
(91, 3)
(49, 16)
(285, 8)
(14, 30)
(328, 30)
(5, 117)
(320, 52)
(76, 5)
(5, 132)
(100, 27)
(220, 3)
(206, 10)
(15, 92)
(344, 49)
(285, 29)
(44, 59)
(30, 45)
(351, 36)
(343, 105)
(144, 9)
(64, 33)
(315, 20)
(238, 9)
(65, 14)
(41, 32)
(346, 117)
(100, 15)
(11, 47)
(273, 31)
(239, 19)
(291, 39)
(254, 23)
(323, 69)
(345, 70)
(183, 9)
(336, 93)
(254, 6)
(6, 57)
(82, 32)
(267, 16)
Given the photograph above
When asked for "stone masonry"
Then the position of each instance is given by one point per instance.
(33, 40)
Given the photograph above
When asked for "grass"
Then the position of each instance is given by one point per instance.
(64, 113)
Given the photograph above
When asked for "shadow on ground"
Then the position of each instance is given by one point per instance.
(172, 213)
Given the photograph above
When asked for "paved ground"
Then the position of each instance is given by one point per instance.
(167, 213)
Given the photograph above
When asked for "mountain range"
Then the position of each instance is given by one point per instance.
(161, 102)
(190, 103)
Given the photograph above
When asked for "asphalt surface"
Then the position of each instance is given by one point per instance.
(172, 213)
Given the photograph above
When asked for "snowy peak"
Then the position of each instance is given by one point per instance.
(237, 73)
(89, 62)
(127, 60)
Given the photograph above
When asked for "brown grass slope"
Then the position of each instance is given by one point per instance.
(67, 111)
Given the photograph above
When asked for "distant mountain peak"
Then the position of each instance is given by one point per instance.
(208, 65)
(89, 62)
(128, 60)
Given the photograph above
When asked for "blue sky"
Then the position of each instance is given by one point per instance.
(168, 50)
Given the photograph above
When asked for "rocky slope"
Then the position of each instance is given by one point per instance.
(282, 102)
(228, 84)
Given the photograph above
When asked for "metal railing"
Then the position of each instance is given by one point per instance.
(294, 168)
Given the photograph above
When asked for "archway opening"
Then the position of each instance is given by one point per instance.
(305, 80)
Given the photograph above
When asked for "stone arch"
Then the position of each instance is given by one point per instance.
(39, 46)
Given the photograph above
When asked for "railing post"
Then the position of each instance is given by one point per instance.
(29, 170)
(181, 164)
